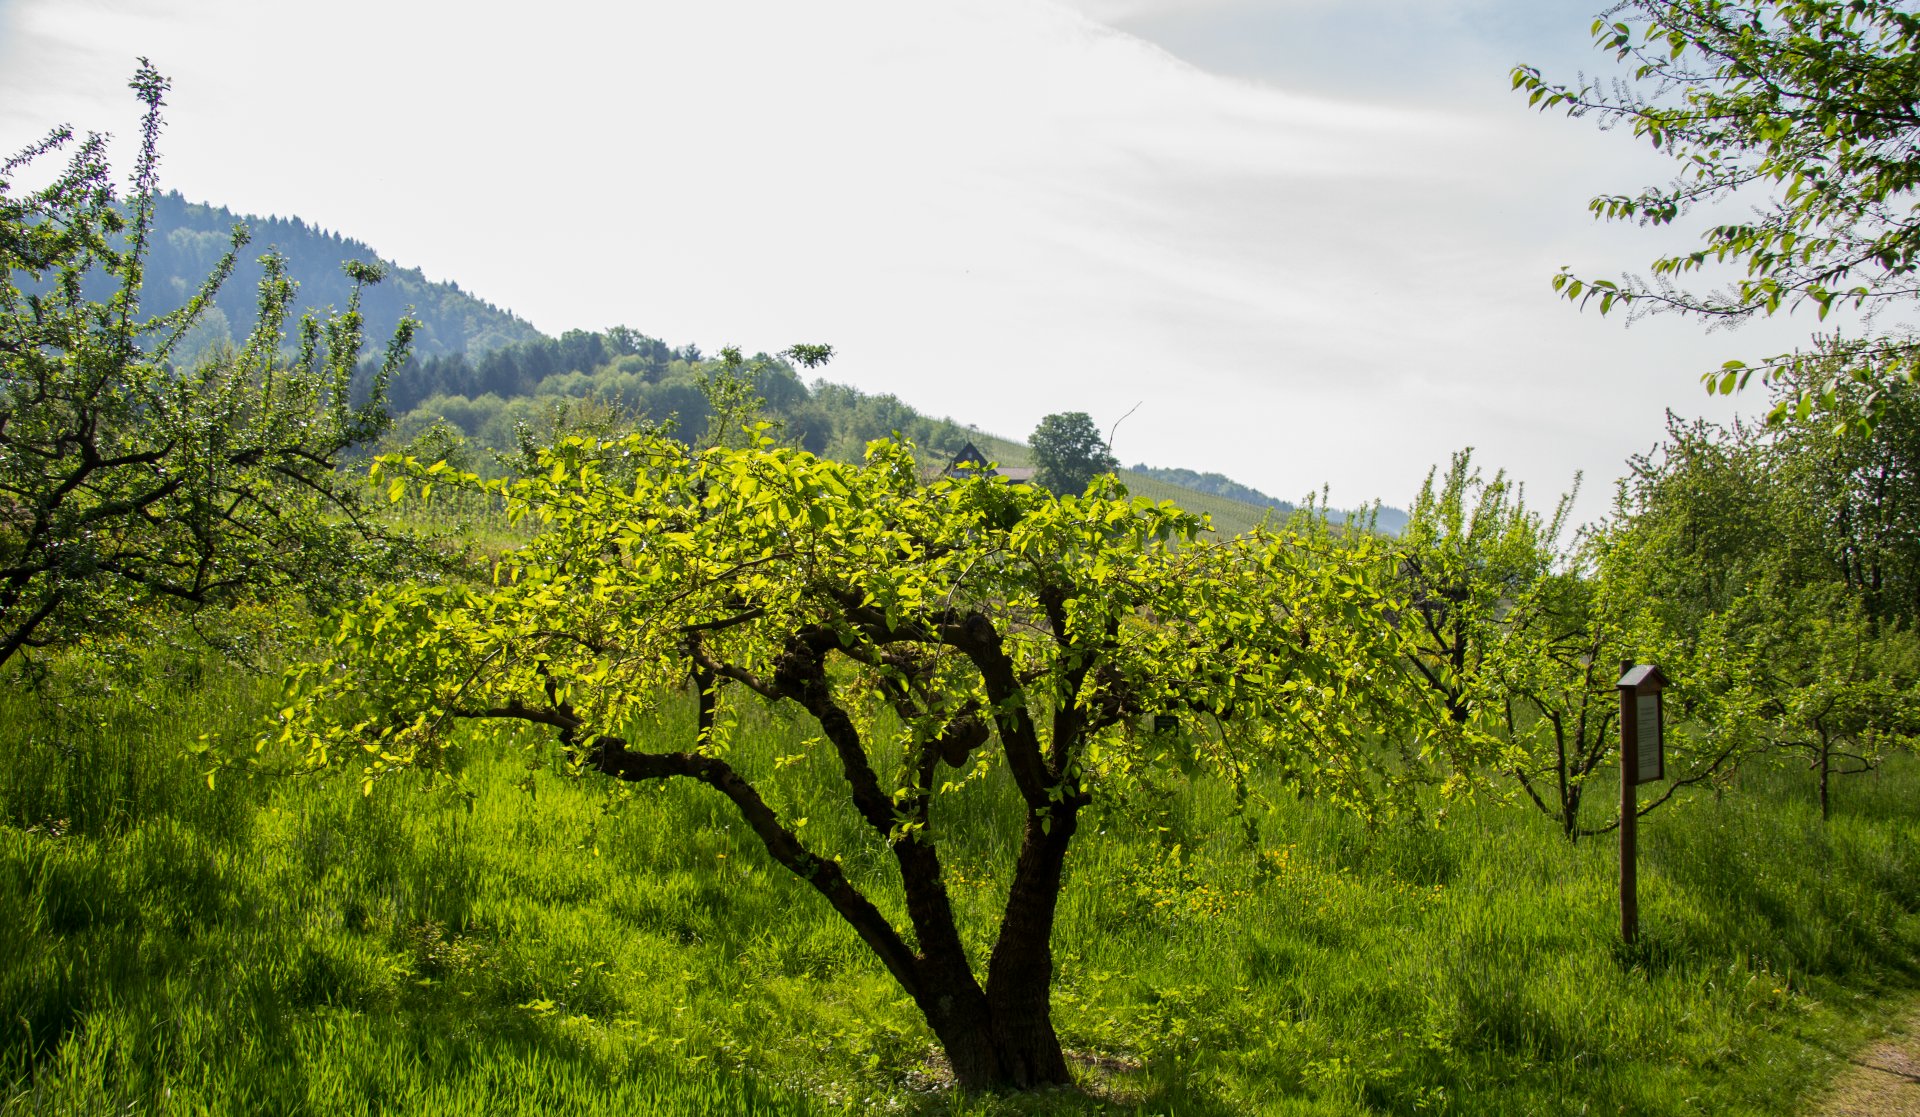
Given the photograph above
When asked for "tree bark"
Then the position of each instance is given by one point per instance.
(956, 1010)
(1826, 770)
(1001, 1038)
(1020, 973)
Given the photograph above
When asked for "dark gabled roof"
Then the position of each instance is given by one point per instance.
(1642, 674)
(969, 455)
(972, 460)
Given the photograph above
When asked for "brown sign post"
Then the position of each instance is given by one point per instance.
(1643, 759)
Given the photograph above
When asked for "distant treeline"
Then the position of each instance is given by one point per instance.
(189, 240)
(620, 377)
(633, 378)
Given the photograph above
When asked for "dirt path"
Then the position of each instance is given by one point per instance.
(1884, 1080)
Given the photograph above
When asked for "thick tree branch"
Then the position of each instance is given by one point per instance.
(610, 756)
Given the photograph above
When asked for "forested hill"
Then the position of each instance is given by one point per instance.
(585, 380)
(488, 375)
(190, 239)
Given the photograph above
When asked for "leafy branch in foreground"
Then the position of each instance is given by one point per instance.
(1808, 110)
(932, 633)
(126, 481)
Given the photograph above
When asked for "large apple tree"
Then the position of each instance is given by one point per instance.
(998, 624)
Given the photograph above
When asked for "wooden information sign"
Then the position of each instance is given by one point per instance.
(1643, 759)
(1650, 744)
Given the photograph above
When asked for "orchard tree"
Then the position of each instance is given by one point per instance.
(1851, 498)
(1782, 560)
(1708, 517)
(1806, 115)
(1826, 684)
(932, 633)
(1068, 452)
(1507, 636)
(1470, 549)
(1519, 636)
(1804, 502)
(126, 481)
(1557, 666)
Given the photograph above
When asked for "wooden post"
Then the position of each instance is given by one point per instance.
(1629, 808)
(1643, 759)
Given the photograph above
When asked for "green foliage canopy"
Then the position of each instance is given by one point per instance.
(1518, 633)
(1470, 550)
(1807, 110)
(1779, 563)
(492, 397)
(1068, 452)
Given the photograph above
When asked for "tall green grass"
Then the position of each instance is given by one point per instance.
(508, 938)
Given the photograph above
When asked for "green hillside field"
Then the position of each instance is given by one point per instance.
(506, 938)
(1228, 516)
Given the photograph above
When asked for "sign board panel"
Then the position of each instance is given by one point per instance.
(1653, 746)
(1165, 723)
(1643, 745)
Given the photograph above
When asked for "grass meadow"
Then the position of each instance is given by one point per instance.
(507, 938)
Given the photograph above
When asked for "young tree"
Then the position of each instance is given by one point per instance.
(1807, 109)
(1519, 637)
(1068, 452)
(1471, 549)
(1827, 684)
(1558, 708)
(1557, 668)
(126, 481)
(991, 623)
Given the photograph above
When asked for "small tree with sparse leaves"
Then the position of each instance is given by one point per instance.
(127, 481)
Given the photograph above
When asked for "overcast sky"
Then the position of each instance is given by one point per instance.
(1312, 238)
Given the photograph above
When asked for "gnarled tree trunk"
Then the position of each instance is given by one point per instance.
(1002, 1037)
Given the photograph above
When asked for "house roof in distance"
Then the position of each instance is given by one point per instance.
(969, 457)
